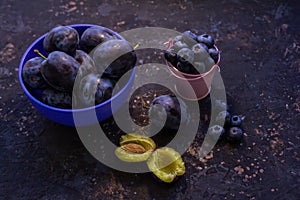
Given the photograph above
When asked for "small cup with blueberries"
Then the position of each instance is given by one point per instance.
(193, 60)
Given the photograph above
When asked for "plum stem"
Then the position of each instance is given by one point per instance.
(40, 54)
(136, 46)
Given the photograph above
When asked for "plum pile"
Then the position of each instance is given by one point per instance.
(69, 66)
(192, 54)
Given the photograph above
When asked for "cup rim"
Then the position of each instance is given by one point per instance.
(185, 76)
(31, 97)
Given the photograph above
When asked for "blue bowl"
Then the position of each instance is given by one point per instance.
(86, 115)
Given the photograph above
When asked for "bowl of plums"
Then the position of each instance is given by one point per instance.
(193, 60)
(78, 70)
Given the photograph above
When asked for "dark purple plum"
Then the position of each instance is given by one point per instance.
(206, 39)
(31, 73)
(62, 38)
(87, 64)
(60, 71)
(115, 57)
(56, 98)
(94, 90)
(167, 107)
(94, 36)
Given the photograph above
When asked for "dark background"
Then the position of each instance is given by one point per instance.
(260, 66)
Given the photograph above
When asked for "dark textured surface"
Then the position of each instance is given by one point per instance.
(260, 45)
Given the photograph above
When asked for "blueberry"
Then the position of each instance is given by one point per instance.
(186, 54)
(114, 56)
(178, 38)
(56, 98)
(200, 67)
(60, 71)
(214, 54)
(168, 107)
(224, 117)
(216, 131)
(31, 73)
(200, 52)
(206, 39)
(61, 38)
(179, 45)
(236, 121)
(221, 105)
(209, 62)
(94, 36)
(186, 67)
(171, 57)
(234, 135)
(190, 34)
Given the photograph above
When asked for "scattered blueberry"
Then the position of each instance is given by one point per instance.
(216, 130)
(234, 135)
(236, 121)
(221, 105)
(224, 117)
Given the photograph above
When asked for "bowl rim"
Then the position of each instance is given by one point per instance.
(31, 97)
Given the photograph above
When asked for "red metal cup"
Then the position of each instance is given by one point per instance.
(193, 86)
